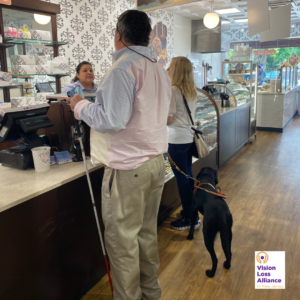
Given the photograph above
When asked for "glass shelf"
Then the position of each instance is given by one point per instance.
(238, 74)
(10, 40)
(30, 75)
(12, 86)
(6, 45)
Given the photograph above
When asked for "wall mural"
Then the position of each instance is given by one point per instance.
(158, 43)
(88, 27)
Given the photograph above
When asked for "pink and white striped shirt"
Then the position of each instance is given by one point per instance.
(128, 120)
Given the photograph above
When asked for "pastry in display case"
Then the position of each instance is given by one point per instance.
(237, 94)
(207, 121)
(29, 52)
(206, 118)
(240, 72)
(243, 76)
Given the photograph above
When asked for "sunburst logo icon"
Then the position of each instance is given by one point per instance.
(262, 257)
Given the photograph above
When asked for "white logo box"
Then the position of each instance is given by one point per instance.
(269, 269)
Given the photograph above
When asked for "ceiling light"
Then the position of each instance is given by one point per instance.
(42, 19)
(227, 11)
(241, 20)
(226, 22)
(211, 20)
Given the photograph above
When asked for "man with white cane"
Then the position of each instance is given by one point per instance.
(129, 135)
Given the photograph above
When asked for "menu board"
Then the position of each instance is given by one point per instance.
(147, 5)
(264, 52)
(7, 2)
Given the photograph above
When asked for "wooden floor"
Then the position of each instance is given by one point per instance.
(263, 187)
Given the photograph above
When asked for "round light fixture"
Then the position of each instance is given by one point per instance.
(42, 19)
(212, 19)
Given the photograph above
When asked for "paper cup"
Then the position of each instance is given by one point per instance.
(41, 158)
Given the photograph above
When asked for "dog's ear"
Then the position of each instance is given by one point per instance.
(216, 177)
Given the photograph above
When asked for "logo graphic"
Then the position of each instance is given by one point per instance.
(269, 269)
(262, 257)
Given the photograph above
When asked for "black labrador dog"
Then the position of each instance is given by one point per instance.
(216, 218)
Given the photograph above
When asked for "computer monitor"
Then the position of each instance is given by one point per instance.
(44, 87)
(22, 122)
(19, 121)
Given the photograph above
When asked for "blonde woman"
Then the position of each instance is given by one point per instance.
(181, 136)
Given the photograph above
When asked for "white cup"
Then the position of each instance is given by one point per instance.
(41, 158)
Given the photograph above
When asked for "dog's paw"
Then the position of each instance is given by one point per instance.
(210, 273)
(226, 265)
(190, 237)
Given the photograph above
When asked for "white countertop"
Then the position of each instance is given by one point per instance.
(269, 93)
(224, 110)
(18, 186)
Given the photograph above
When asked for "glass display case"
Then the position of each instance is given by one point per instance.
(288, 77)
(243, 85)
(238, 94)
(29, 45)
(207, 121)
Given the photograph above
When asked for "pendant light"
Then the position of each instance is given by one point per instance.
(42, 19)
(212, 19)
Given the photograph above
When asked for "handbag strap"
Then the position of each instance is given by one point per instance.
(187, 107)
(197, 132)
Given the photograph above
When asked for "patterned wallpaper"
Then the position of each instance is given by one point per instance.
(88, 24)
(243, 36)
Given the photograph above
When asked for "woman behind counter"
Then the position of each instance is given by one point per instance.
(84, 78)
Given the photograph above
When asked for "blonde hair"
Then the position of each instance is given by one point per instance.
(182, 77)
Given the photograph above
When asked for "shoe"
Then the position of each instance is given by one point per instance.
(184, 224)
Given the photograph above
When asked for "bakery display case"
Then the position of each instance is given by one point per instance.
(238, 94)
(243, 76)
(206, 120)
(29, 49)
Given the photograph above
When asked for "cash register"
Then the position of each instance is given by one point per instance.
(22, 122)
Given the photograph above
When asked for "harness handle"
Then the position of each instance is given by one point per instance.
(198, 184)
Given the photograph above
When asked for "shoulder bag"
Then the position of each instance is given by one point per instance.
(200, 148)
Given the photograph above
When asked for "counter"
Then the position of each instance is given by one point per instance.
(276, 110)
(50, 247)
(19, 186)
(225, 110)
(235, 131)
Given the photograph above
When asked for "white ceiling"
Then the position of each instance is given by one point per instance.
(197, 10)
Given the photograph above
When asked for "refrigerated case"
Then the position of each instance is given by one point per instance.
(206, 120)
(288, 78)
(243, 85)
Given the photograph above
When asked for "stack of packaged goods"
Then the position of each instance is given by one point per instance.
(29, 65)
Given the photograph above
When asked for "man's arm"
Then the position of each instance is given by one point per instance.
(115, 99)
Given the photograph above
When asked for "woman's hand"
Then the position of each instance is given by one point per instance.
(74, 100)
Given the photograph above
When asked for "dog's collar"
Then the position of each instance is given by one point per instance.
(198, 185)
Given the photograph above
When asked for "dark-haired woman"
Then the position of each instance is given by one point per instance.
(84, 78)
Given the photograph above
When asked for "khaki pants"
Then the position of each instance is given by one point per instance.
(130, 203)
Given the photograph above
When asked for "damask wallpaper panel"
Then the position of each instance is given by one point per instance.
(242, 36)
(87, 25)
